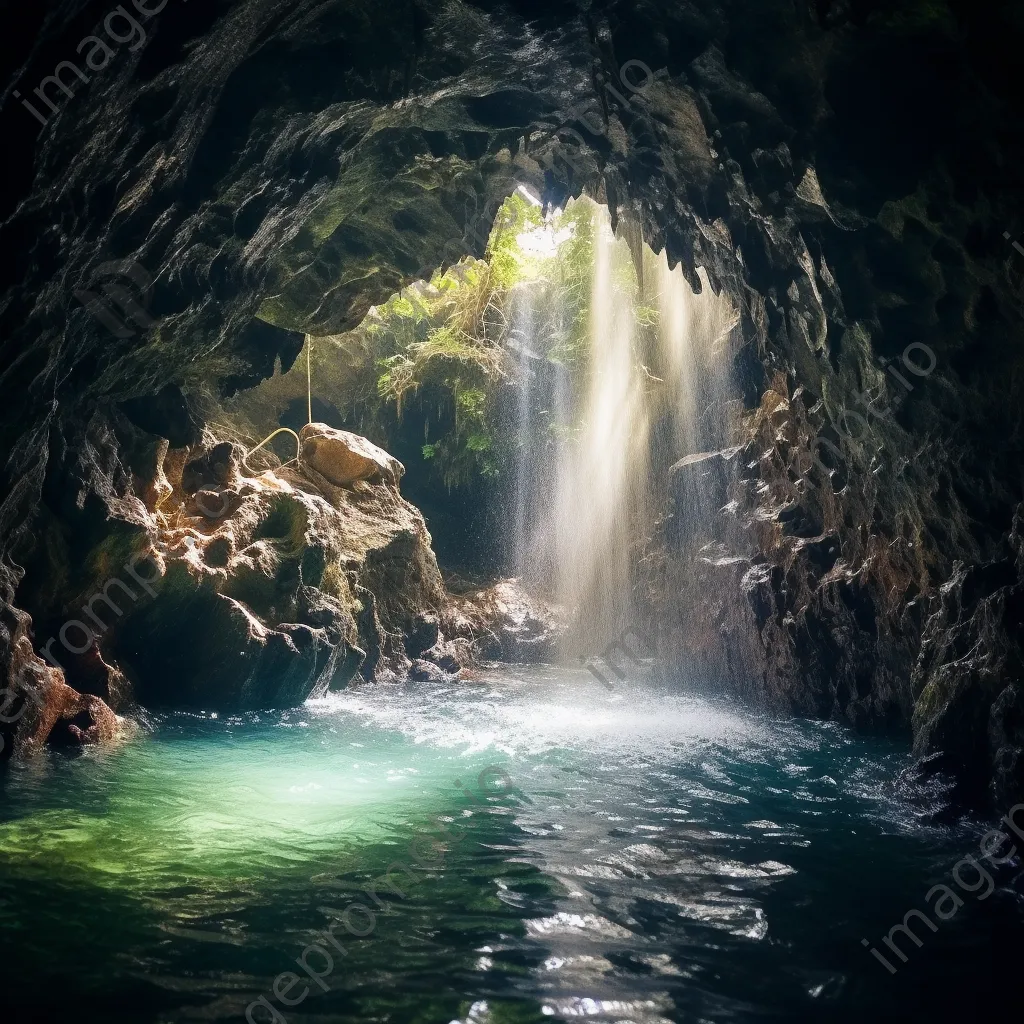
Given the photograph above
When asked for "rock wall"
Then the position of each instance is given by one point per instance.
(847, 169)
(215, 586)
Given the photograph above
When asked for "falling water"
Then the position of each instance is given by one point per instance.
(584, 505)
(602, 477)
(693, 335)
(523, 317)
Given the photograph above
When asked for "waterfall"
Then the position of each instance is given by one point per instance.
(602, 476)
(596, 444)
(521, 340)
(693, 335)
(542, 397)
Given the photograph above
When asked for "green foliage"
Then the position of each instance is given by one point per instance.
(646, 316)
(471, 401)
(440, 347)
(448, 352)
(508, 262)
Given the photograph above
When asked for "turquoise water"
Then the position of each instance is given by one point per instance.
(641, 855)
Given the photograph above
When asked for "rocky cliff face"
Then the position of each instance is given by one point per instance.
(846, 169)
(215, 586)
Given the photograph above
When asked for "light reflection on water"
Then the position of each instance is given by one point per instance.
(664, 857)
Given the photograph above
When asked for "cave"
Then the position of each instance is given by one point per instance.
(511, 510)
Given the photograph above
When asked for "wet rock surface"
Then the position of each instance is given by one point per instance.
(781, 598)
(275, 587)
(508, 624)
(850, 173)
(770, 590)
(45, 709)
(246, 590)
(968, 678)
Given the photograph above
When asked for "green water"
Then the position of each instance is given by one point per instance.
(643, 855)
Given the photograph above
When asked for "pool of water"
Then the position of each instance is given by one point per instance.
(529, 847)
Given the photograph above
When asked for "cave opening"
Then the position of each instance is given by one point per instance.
(539, 398)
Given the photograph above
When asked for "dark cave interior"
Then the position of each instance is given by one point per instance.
(236, 178)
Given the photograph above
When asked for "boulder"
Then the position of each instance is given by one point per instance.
(427, 672)
(507, 624)
(280, 588)
(47, 709)
(452, 656)
(344, 458)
